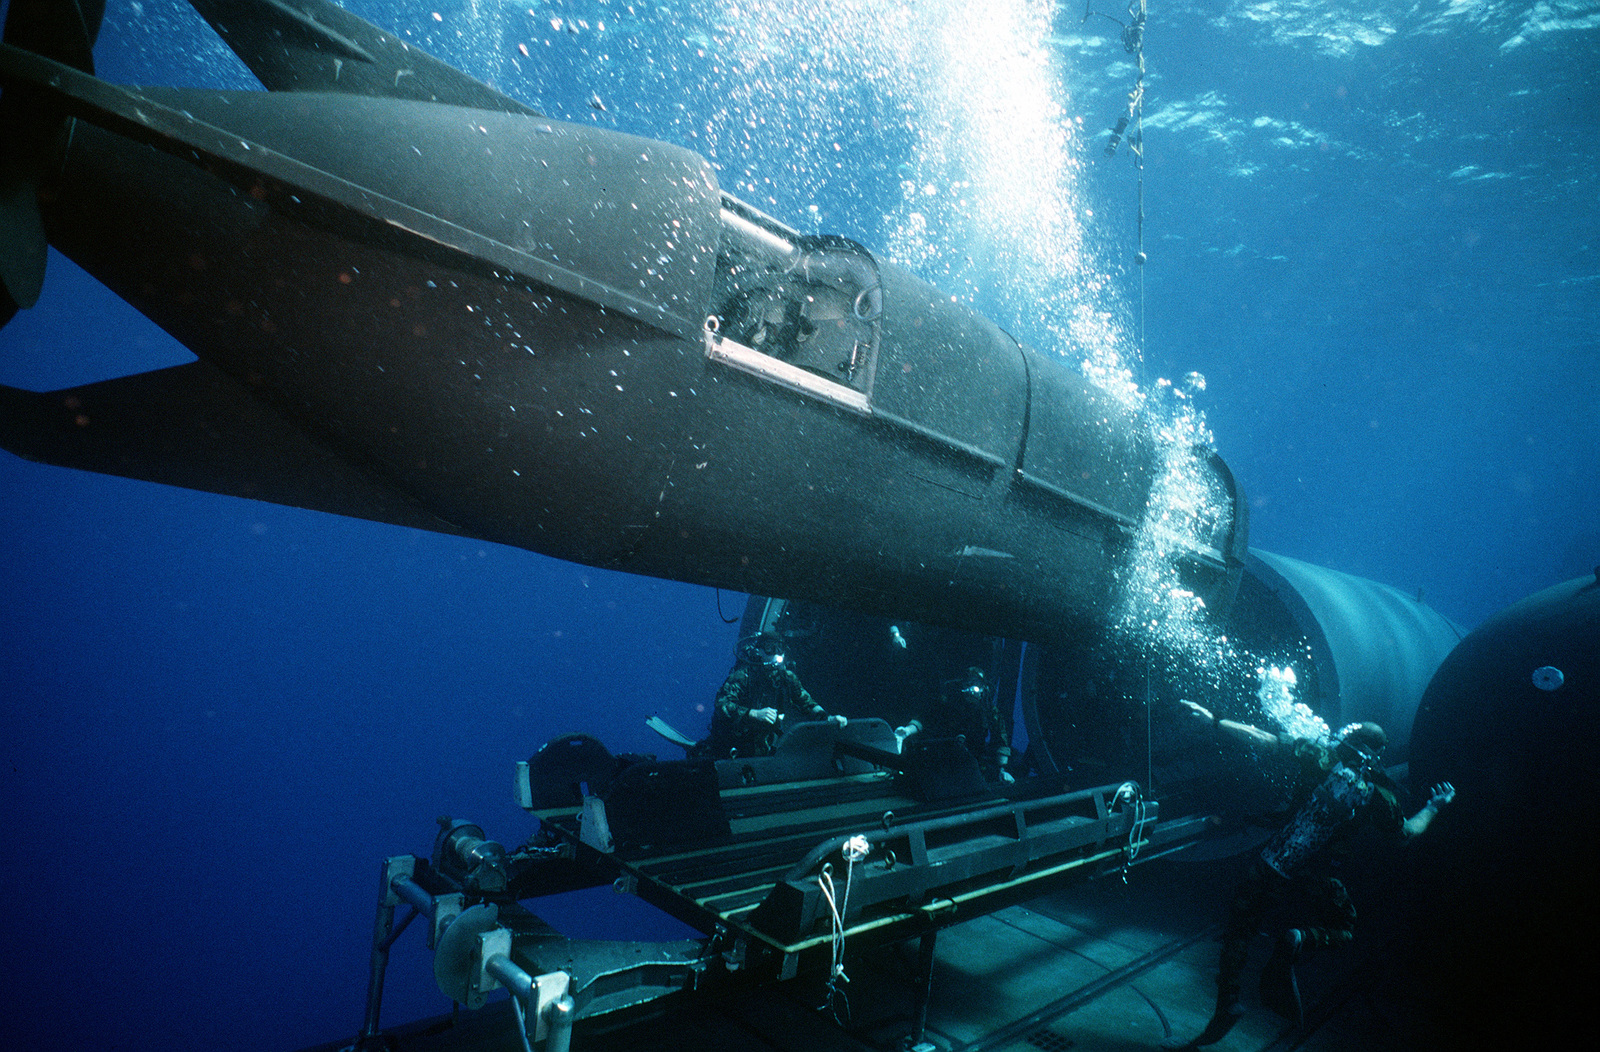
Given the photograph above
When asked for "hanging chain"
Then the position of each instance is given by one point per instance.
(1133, 44)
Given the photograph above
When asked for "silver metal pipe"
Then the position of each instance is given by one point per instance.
(378, 965)
(513, 978)
(779, 250)
(562, 1014)
(412, 892)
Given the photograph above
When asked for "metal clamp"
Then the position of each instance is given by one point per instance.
(544, 1004)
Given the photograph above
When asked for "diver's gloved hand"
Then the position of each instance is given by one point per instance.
(902, 733)
(1441, 795)
(839, 721)
(1005, 776)
(767, 715)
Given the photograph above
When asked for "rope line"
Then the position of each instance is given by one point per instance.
(854, 850)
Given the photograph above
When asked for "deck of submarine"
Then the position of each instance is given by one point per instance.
(1101, 967)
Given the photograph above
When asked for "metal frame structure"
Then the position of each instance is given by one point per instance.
(778, 875)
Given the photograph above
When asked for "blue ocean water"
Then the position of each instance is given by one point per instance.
(1374, 227)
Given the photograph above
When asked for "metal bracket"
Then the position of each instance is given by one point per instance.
(549, 990)
(545, 1000)
(593, 828)
(733, 958)
(446, 908)
(480, 981)
(524, 787)
(396, 868)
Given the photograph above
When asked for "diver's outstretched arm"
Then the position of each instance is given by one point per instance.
(1234, 729)
(1438, 800)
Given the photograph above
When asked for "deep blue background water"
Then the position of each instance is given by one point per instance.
(1372, 226)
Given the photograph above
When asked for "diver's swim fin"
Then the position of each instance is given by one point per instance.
(669, 732)
(1280, 987)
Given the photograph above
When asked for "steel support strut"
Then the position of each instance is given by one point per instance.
(395, 871)
(924, 991)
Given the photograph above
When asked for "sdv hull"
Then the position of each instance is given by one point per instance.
(570, 340)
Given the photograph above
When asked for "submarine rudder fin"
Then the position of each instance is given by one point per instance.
(197, 427)
(63, 30)
(315, 45)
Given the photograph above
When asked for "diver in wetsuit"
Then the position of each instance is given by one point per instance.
(966, 709)
(1341, 787)
(758, 695)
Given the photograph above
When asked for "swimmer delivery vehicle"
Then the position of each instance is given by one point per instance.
(416, 300)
